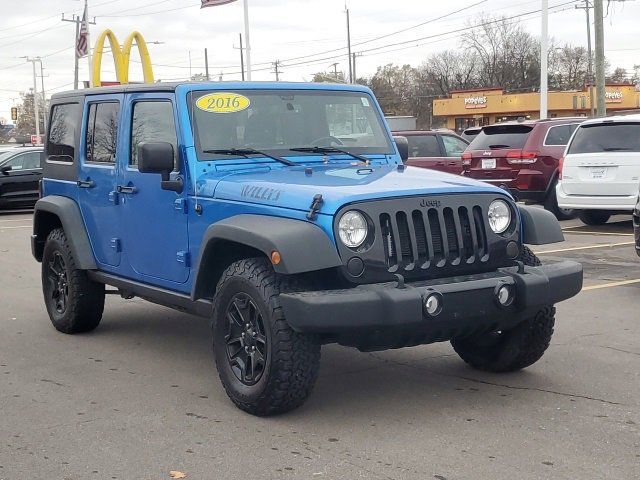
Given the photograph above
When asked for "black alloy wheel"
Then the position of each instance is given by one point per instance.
(246, 340)
(59, 284)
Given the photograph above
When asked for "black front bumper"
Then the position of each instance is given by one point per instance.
(469, 303)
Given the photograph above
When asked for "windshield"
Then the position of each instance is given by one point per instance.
(501, 136)
(606, 137)
(277, 121)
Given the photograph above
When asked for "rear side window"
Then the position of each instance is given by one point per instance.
(153, 122)
(501, 136)
(102, 132)
(423, 146)
(607, 137)
(560, 134)
(62, 132)
(453, 146)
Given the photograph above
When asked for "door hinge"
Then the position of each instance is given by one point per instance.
(184, 258)
(113, 197)
(180, 204)
(115, 244)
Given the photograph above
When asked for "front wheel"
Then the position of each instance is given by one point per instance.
(594, 217)
(266, 368)
(510, 350)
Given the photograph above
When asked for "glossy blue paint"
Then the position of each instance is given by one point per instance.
(160, 231)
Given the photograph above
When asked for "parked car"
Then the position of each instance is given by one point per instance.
(523, 157)
(264, 208)
(470, 133)
(20, 173)
(435, 149)
(601, 169)
(636, 224)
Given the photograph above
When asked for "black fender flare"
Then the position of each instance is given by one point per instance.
(539, 227)
(303, 246)
(68, 212)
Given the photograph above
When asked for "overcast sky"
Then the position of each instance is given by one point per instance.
(287, 30)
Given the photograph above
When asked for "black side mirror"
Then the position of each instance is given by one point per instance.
(403, 147)
(6, 169)
(157, 157)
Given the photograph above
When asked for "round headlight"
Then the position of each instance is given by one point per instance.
(352, 229)
(499, 216)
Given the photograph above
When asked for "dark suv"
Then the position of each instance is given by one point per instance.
(524, 157)
(20, 172)
(437, 150)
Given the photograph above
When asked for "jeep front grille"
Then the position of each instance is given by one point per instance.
(432, 238)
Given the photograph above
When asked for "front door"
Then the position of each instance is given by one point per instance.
(97, 178)
(154, 221)
(19, 185)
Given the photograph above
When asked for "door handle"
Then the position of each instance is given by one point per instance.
(127, 189)
(86, 183)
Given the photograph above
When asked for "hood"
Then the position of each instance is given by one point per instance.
(339, 184)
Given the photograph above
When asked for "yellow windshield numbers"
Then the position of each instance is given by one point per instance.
(223, 102)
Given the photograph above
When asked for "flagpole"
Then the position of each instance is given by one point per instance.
(246, 37)
(86, 13)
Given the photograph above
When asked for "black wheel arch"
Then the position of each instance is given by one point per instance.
(56, 211)
(539, 227)
(303, 247)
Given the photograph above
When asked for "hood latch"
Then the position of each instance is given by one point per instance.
(316, 203)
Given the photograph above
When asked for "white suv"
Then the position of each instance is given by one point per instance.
(600, 171)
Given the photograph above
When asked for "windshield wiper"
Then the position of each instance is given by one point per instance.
(245, 152)
(365, 160)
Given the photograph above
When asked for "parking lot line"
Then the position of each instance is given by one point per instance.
(586, 247)
(611, 284)
(18, 226)
(598, 233)
(14, 220)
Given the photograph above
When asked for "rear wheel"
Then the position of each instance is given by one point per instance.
(266, 368)
(551, 204)
(594, 217)
(74, 302)
(510, 350)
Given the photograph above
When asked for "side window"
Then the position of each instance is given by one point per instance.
(102, 132)
(153, 122)
(62, 132)
(17, 162)
(32, 160)
(423, 146)
(453, 147)
(560, 134)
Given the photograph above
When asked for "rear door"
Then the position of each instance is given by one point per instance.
(19, 186)
(453, 147)
(490, 152)
(425, 151)
(98, 175)
(603, 159)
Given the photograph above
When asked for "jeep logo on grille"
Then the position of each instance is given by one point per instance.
(430, 203)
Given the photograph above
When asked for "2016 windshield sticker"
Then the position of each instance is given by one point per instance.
(262, 193)
(223, 102)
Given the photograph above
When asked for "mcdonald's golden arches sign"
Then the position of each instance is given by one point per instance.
(121, 57)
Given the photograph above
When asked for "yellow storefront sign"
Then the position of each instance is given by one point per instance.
(121, 57)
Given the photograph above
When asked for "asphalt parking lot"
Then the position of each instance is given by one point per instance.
(140, 397)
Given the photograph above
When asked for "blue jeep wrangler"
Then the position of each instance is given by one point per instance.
(284, 213)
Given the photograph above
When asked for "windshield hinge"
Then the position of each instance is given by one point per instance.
(316, 203)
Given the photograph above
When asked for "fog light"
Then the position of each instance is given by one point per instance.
(432, 304)
(504, 295)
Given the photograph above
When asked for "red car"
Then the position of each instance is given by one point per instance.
(435, 149)
(524, 157)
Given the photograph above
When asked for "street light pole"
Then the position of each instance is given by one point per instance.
(544, 66)
(598, 11)
(349, 46)
(246, 39)
(587, 7)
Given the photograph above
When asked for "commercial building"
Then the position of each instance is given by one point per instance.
(468, 108)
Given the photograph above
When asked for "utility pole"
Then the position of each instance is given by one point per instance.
(349, 45)
(44, 97)
(241, 56)
(544, 60)
(77, 20)
(276, 70)
(206, 64)
(335, 70)
(246, 37)
(598, 11)
(587, 7)
(355, 77)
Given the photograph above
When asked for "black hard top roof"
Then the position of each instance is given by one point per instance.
(129, 88)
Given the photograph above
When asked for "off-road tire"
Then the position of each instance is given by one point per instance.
(84, 302)
(511, 350)
(551, 204)
(594, 217)
(292, 358)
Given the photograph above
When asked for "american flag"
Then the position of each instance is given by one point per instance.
(214, 3)
(82, 44)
